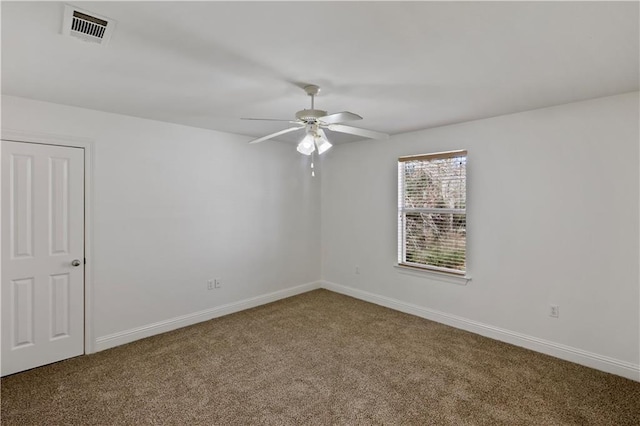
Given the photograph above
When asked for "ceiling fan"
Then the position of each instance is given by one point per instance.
(313, 121)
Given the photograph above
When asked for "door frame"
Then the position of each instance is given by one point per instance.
(87, 144)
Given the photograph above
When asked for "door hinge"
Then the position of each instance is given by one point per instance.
(85, 260)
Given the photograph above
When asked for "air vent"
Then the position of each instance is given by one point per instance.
(86, 26)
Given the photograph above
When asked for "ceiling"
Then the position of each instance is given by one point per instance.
(403, 66)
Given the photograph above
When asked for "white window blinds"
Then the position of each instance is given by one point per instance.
(432, 214)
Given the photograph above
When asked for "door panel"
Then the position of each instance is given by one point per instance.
(43, 218)
(59, 302)
(21, 193)
(59, 206)
(22, 312)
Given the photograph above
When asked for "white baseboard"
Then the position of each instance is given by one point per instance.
(579, 356)
(127, 336)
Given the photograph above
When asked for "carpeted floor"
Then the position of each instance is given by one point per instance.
(318, 358)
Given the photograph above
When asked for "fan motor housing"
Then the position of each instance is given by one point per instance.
(310, 114)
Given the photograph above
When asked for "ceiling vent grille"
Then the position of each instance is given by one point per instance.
(86, 26)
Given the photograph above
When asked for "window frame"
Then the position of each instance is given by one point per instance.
(402, 212)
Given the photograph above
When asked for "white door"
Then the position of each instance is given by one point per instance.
(42, 254)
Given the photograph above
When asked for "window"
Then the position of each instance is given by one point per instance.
(432, 218)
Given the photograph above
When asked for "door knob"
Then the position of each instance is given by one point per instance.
(75, 262)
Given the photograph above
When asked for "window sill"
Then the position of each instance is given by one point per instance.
(435, 275)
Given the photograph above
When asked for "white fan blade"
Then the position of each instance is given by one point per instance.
(273, 135)
(339, 117)
(357, 131)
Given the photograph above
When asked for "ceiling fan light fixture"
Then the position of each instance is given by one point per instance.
(322, 143)
(306, 145)
(313, 121)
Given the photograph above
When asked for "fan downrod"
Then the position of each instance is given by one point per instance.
(311, 115)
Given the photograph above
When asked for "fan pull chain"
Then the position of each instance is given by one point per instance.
(313, 172)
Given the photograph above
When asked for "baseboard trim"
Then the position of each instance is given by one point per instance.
(127, 336)
(567, 353)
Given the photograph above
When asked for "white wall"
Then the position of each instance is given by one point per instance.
(552, 218)
(174, 206)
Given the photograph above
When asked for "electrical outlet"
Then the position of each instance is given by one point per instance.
(217, 283)
(210, 284)
(554, 311)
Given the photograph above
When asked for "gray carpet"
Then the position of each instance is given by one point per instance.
(318, 358)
